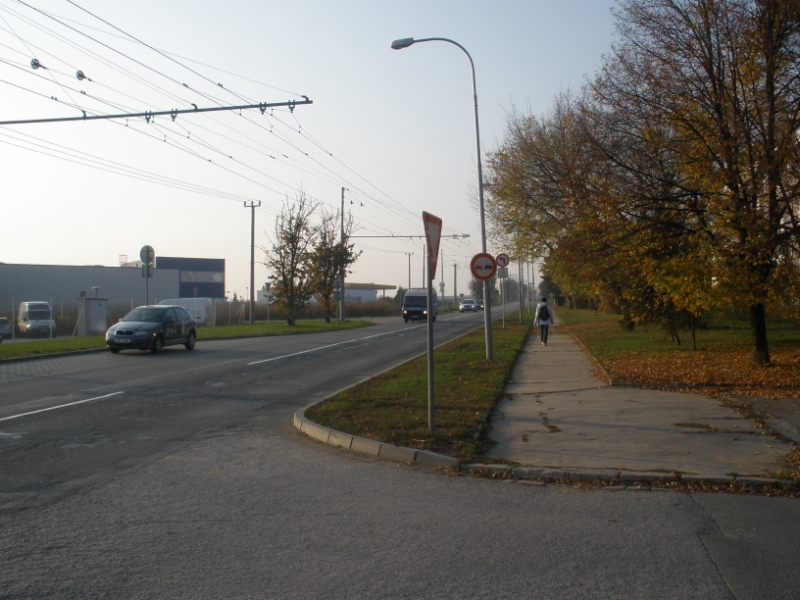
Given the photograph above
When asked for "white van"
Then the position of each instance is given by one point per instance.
(202, 310)
(36, 318)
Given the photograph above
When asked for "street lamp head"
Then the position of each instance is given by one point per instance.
(402, 43)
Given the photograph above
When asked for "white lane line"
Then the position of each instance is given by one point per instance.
(33, 412)
(266, 360)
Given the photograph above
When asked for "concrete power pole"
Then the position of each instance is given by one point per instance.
(409, 255)
(455, 284)
(341, 241)
(252, 206)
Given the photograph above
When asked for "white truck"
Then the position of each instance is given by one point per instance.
(202, 310)
(36, 318)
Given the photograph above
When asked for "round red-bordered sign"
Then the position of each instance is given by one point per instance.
(483, 266)
(502, 260)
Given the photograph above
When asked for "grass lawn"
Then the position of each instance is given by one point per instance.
(58, 345)
(393, 407)
(722, 360)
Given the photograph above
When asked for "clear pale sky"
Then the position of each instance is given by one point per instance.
(394, 127)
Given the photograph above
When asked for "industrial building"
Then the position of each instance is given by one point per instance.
(173, 277)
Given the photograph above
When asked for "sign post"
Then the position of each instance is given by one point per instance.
(147, 255)
(433, 233)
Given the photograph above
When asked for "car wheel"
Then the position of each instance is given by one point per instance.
(405, 319)
(158, 345)
(114, 350)
(189, 345)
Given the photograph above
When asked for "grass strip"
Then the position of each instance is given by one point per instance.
(393, 407)
(59, 345)
(722, 362)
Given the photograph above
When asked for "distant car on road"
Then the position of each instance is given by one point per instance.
(152, 328)
(480, 303)
(5, 328)
(468, 304)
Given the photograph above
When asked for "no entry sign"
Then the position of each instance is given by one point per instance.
(483, 266)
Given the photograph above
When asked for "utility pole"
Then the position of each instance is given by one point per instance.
(252, 206)
(455, 283)
(341, 276)
(424, 250)
(409, 255)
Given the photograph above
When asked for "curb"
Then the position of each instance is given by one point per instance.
(355, 443)
(627, 478)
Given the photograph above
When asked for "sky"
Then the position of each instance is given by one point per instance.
(394, 128)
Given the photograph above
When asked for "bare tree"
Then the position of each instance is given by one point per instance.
(289, 256)
(330, 258)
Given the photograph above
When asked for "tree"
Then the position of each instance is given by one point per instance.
(330, 259)
(671, 183)
(289, 255)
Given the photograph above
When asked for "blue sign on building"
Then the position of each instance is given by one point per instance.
(199, 277)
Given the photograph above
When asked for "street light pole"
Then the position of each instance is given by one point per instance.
(487, 311)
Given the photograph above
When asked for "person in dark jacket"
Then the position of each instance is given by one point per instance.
(544, 318)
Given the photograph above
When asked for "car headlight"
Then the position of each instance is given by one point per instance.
(424, 312)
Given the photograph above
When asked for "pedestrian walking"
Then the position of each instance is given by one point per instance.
(544, 318)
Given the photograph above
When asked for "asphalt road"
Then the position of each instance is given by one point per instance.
(192, 483)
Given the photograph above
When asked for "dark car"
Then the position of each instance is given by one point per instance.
(152, 328)
(5, 328)
(480, 303)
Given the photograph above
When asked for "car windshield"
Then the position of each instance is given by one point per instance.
(415, 301)
(468, 302)
(4, 321)
(148, 314)
(39, 315)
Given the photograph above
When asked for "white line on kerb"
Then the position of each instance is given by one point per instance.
(33, 412)
(258, 362)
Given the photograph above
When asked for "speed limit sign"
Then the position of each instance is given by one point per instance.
(502, 260)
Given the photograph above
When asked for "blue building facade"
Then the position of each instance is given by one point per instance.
(199, 277)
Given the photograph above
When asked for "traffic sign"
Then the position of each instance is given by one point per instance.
(433, 233)
(502, 260)
(483, 266)
(502, 272)
(147, 255)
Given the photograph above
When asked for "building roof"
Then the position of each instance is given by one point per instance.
(368, 286)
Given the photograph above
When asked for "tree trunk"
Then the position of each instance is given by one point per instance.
(758, 330)
(694, 333)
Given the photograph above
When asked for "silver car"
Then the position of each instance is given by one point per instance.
(468, 304)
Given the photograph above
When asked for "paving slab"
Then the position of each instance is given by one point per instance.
(558, 414)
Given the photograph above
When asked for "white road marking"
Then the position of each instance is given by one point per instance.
(266, 360)
(33, 412)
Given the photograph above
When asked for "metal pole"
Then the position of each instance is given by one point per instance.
(252, 206)
(520, 291)
(487, 311)
(504, 288)
(341, 239)
(430, 347)
(409, 255)
(13, 323)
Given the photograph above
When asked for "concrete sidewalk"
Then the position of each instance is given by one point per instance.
(559, 414)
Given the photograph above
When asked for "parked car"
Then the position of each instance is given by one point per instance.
(480, 303)
(5, 328)
(468, 304)
(152, 328)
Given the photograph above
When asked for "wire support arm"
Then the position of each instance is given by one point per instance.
(262, 106)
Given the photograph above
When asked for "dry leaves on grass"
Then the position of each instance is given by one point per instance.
(729, 368)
